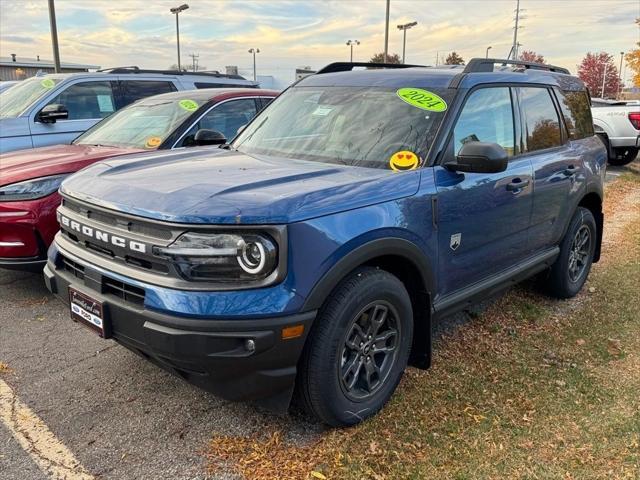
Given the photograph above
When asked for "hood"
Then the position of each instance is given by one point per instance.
(212, 186)
(40, 162)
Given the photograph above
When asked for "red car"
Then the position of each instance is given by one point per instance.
(29, 179)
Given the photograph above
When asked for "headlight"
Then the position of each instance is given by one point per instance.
(224, 257)
(31, 189)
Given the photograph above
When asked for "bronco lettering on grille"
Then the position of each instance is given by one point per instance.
(102, 236)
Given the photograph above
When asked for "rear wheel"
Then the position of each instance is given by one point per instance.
(623, 155)
(572, 267)
(358, 348)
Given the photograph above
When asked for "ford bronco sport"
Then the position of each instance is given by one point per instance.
(315, 253)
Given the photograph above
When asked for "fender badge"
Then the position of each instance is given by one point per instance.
(456, 240)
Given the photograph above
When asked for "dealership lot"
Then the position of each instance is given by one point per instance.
(121, 416)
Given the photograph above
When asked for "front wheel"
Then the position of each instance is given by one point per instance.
(623, 156)
(358, 348)
(572, 267)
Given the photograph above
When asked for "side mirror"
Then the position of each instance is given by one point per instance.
(53, 112)
(480, 157)
(205, 136)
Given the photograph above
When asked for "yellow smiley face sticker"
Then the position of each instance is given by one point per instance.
(404, 160)
(153, 142)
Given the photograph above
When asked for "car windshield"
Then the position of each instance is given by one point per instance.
(358, 126)
(15, 100)
(145, 124)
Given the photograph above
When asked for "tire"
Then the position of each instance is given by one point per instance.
(329, 364)
(623, 156)
(572, 267)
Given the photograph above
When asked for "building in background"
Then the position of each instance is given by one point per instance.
(14, 68)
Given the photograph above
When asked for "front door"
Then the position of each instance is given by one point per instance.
(87, 102)
(483, 219)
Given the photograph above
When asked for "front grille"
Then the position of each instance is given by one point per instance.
(128, 293)
(72, 267)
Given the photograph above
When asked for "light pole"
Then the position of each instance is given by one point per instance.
(254, 51)
(176, 11)
(386, 34)
(486, 55)
(351, 43)
(54, 36)
(404, 29)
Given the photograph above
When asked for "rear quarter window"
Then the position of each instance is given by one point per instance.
(576, 112)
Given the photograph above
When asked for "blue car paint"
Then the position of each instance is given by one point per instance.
(331, 210)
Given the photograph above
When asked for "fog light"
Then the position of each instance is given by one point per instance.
(250, 345)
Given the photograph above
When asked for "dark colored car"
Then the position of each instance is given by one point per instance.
(348, 217)
(29, 179)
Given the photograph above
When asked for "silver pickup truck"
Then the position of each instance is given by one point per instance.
(617, 123)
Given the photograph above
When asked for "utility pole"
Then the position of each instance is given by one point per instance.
(351, 43)
(487, 52)
(514, 48)
(620, 75)
(386, 33)
(404, 29)
(193, 59)
(54, 36)
(604, 78)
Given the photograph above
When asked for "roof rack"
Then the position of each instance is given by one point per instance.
(486, 65)
(132, 69)
(348, 66)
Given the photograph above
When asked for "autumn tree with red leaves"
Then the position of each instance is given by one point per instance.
(531, 56)
(592, 71)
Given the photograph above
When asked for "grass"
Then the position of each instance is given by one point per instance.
(532, 388)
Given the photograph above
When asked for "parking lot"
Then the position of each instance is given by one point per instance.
(117, 414)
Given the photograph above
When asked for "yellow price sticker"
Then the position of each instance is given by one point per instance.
(188, 105)
(153, 142)
(48, 83)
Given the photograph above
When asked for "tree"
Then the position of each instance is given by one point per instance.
(531, 56)
(592, 71)
(391, 58)
(454, 59)
(175, 67)
(633, 60)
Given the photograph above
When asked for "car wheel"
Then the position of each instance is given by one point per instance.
(571, 268)
(623, 156)
(358, 348)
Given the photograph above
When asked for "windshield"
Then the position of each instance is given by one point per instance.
(358, 126)
(145, 124)
(15, 100)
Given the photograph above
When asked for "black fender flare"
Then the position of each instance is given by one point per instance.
(364, 253)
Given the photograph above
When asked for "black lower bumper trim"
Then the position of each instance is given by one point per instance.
(244, 360)
(29, 264)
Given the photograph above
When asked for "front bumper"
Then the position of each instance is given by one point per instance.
(26, 230)
(210, 353)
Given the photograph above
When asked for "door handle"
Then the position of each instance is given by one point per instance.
(570, 170)
(516, 185)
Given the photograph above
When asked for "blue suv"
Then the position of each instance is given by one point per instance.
(314, 253)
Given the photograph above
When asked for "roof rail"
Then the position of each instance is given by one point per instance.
(348, 66)
(486, 65)
(132, 69)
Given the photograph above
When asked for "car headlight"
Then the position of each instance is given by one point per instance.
(31, 189)
(223, 257)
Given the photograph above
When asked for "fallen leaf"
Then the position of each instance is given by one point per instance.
(613, 347)
(580, 342)
(315, 474)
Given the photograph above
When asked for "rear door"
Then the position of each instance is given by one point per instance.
(483, 219)
(133, 90)
(88, 102)
(557, 165)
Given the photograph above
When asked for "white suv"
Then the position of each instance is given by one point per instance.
(55, 109)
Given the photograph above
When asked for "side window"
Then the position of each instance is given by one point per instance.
(264, 101)
(541, 122)
(87, 100)
(136, 89)
(226, 118)
(211, 85)
(577, 113)
(487, 116)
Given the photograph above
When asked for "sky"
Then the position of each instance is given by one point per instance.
(312, 33)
